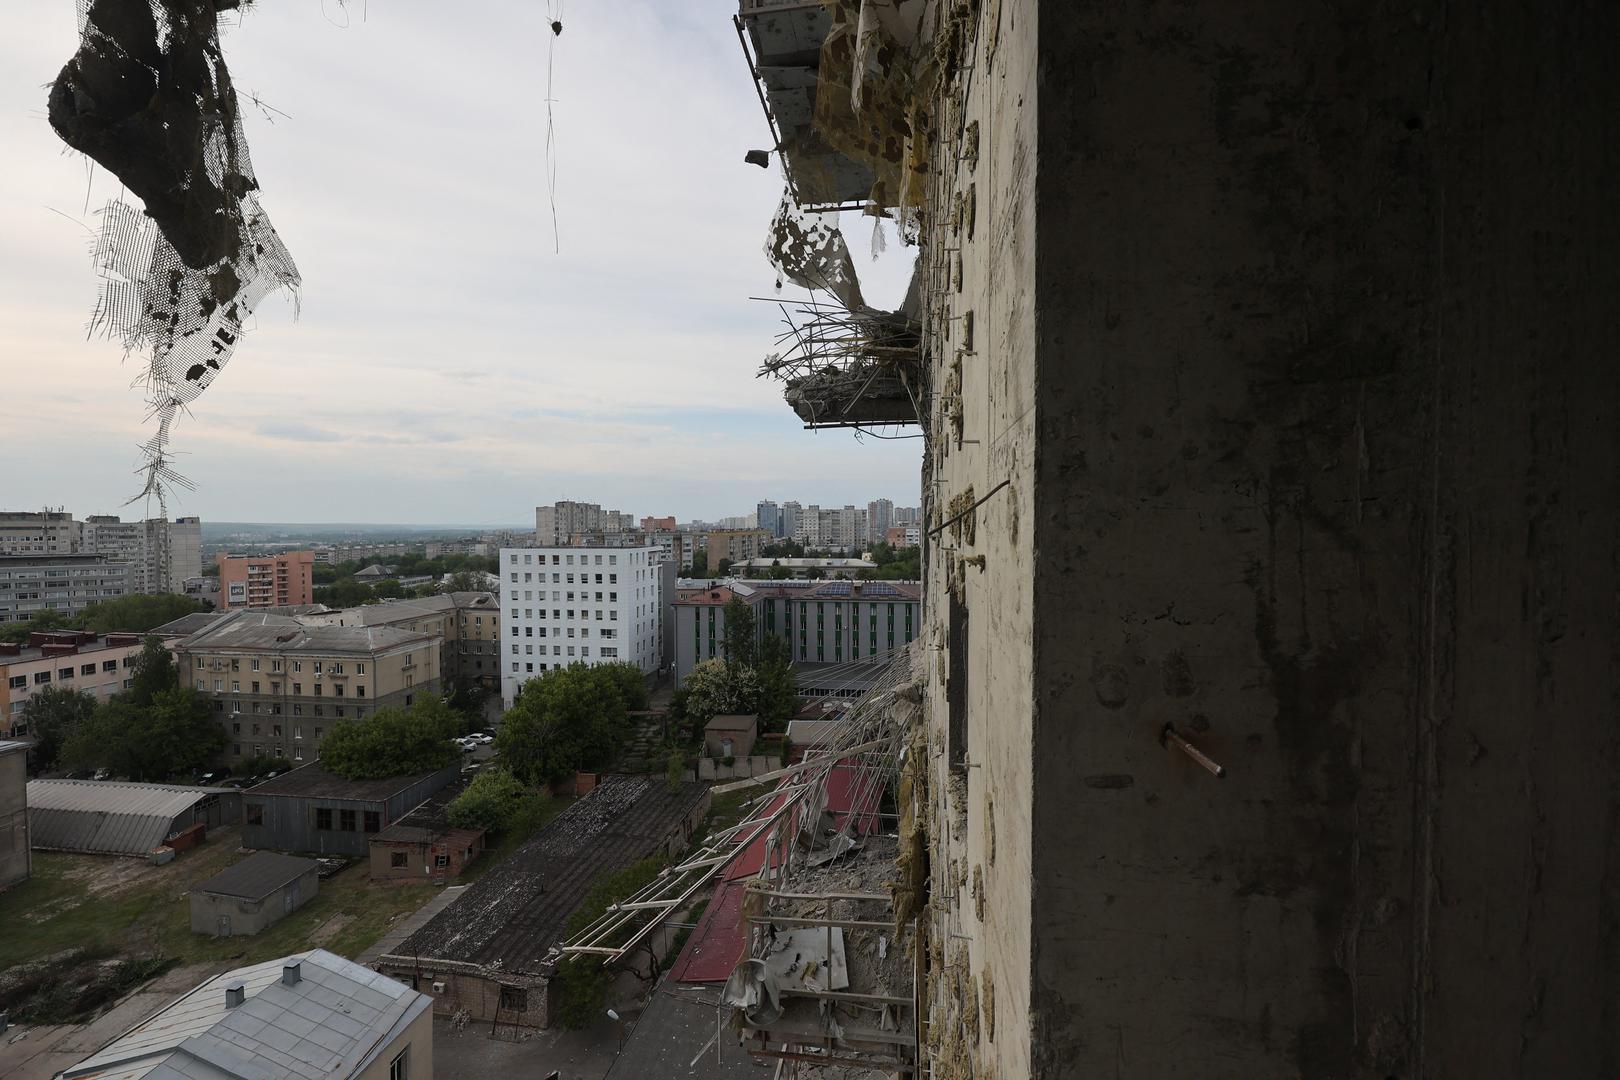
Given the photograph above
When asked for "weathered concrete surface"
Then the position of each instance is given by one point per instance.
(1327, 474)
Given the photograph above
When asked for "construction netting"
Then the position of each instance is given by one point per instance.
(147, 96)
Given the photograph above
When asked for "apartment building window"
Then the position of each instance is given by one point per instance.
(275, 665)
(19, 682)
(298, 753)
(400, 1067)
(236, 729)
(200, 663)
(63, 674)
(337, 690)
(255, 710)
(109, 665)
(613, 560)
(514, 667)
(359, 691)
(298, 666)
(317, 689)
(318, 732)
(255, 663)
(298, 710)
(219, 686)
(236, 665)
(200, 686)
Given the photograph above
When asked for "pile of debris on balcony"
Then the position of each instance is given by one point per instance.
(817, 971)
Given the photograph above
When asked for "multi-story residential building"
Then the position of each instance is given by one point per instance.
(899, 536)
(843, 528)
(468, 624)
(907, 515)
(676, 547)
(38, 532)
(792, 514)
(658, 524)
(69, 659)
(567, 605)
(823, 622)
(768, 516)
(879, 516)
(554, 524)
(161, 554)
(64, 584)
(278, 685)
(737, 545)
(266, 581)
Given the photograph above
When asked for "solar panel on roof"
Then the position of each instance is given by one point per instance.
(836, 588)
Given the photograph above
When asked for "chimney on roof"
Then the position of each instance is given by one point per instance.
(235, 994)
(291, 972)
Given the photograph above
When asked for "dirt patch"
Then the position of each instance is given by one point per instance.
(328, 929)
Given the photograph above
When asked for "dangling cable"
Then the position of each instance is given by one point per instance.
(554, 13)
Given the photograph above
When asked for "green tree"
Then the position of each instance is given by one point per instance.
(715, 688)
(742, 633)
(393, 742)
(171, 735)
(387, 589)
(466, 581)
(492, 801)
(780, 572)
(569, 718)
(778, 696)
(152, 674)
(582, 982)
(722, 568)
(700, 565)
(51, 716)
(136, 614)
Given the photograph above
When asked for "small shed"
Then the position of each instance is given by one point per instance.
(260, 890)
(730, 736)
(110, 817)
(423, 845)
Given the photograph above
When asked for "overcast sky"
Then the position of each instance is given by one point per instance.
(446, 365)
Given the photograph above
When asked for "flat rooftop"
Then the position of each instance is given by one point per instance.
(313, 782)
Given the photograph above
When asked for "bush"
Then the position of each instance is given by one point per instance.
(493, 801)
(675, 769)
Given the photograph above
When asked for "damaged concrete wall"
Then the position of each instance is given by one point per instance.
(1327, 469)
(978, 253)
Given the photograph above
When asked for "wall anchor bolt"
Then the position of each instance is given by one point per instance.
(1170, 737)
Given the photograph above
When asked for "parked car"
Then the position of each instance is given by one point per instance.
(483, 737)
(212, 779)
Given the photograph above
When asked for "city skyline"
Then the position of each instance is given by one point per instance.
(620, 371)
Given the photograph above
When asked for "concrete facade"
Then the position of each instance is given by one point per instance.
(266, 581)
(222, 908)
(60, 584)
(573, 605)
(16, 854)
(161, 554)
(1286, 417)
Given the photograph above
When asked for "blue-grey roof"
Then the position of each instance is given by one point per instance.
(333, 1022)
(107, 817)
(257, 876)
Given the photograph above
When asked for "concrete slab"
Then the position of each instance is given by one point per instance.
(675, 1028)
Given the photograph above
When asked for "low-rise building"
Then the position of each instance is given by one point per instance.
(116, 817)
(96, 664)
(567, 605)
(312, 810)
(489, 952)
(730, 735)
(16, 853)
(266, 581)
(309, 1015)
(809, 568)
(423, 845)
(278, 685)
(61, 584)
(735, 545)
(253, 894)
(903, 536)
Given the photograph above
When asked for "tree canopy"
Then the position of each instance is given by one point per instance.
(50, 716)
(742, 632)
(171, 734)
(125, 614)
(569, 718)
(492, 801)
(393, 742)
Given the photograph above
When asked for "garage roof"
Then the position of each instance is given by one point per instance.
(107, 817)
(257, 876)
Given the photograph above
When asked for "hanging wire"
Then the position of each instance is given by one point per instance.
(554, 12)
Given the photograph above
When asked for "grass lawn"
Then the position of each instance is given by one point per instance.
(122, 906)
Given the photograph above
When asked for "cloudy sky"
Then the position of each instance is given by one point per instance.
(447, 365)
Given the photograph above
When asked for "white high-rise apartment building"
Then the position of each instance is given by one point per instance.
(140, 545)
(578, 605)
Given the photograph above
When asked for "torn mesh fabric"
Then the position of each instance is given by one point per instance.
(148, 97)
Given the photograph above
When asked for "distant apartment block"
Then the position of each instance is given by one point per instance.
(768, 516)
(63, 584)
(161, 554)
(278, 685)
(68, 659)
(737, 545)
(567, 605)
(823, 622)
(657, 524)
(843, 528)
(38, 532)
(468, 624)
(899, 536)
(879, 517)
(266, 581)
(554, 525)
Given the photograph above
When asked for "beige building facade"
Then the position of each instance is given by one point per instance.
(468, 622)
(277, 686)
(266, 581)
(99, 665)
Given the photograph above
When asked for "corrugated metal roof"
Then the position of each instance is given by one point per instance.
(107, 817)
(257, 876)
(331, 1023)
